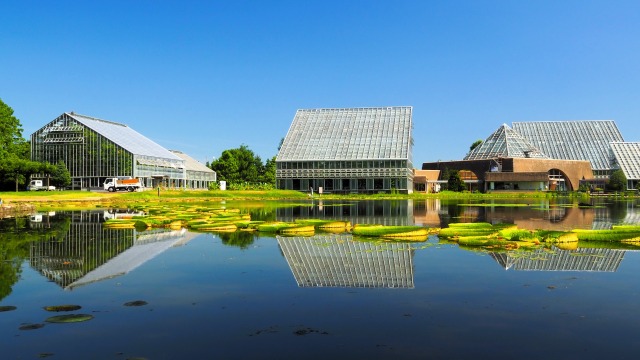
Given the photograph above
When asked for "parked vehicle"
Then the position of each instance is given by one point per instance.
(117, 184)
(37, 185)
(121, 214)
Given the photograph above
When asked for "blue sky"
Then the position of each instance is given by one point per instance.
(205, 76)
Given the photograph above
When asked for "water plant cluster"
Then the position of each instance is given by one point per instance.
(505, 236)
(508, 236)
(223, 220)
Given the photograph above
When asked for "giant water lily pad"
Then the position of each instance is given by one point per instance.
(69, 318)
(136, 303)
(57, 308)
(31, 326)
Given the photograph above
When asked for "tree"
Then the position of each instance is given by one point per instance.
(11, 140)
(15, 164)
(241, 165)
(455, 183)
(60, 176)
(17, 171)
(269, 175)
(617, 181)
(475, 145)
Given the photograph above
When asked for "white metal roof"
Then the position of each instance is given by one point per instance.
(627, 155)
(145, 248)
(191, 164)
(349, 134)
(124, 136)
(573, 140)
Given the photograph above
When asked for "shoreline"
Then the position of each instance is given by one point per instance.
(89, 198)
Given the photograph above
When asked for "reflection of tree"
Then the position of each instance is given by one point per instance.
(453, 212)
(617, 211)
(241, 239)
(263, 214)
(15, 239)
(10, 270)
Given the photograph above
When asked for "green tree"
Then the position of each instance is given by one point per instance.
(454, 182)
(15, 164)
(475, 144)
(269, 174)
(60, 176)
(11, 140)
(16, 171)
(617, 181)
(241, 165)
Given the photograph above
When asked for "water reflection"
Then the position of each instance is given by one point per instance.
(607, 260)
(73, 248)
(244, 301)
(545, 214)
(386, 212)
(336, 260)
(87, 252)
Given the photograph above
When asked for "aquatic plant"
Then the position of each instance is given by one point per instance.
(58, 308)
(606, 235)
(70, 318)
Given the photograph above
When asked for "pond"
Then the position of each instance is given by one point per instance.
(167, 294)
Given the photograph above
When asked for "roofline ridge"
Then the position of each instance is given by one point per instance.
(559, 121)
(95, 118)
(358, 107)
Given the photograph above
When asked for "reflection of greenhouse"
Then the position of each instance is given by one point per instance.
(88, 252)
(95, 149)
(582, 259)
(360, 212)
(339, 261)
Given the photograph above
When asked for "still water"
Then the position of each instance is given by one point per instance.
(246, 295)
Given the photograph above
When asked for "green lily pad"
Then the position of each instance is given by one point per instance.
(58, 308)
(136, 303)
(31, 326)
(7, 308)
(70, 318)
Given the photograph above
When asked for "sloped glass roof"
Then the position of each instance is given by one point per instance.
(627, 155)
(348, 134)
(573, 140)
(191, 163)
(504, 142)
(125, 137)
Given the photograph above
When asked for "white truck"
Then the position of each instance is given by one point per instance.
(116, 184)
(37, 185)
(121, 214)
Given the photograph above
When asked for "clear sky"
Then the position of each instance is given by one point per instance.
(205, 76)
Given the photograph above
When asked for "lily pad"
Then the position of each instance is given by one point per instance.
(7, 308)
(31, 326)
(136, 303)
(70, 318)
(58, 308)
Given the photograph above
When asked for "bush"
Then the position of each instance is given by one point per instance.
(250, 186)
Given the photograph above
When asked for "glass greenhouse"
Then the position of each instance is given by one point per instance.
(363, 150)
(95, 149)
(574, 140)
(504, 142)
(627, 157)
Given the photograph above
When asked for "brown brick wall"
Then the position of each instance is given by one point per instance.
(572, 170)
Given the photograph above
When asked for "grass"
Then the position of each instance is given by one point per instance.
(54, 197)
